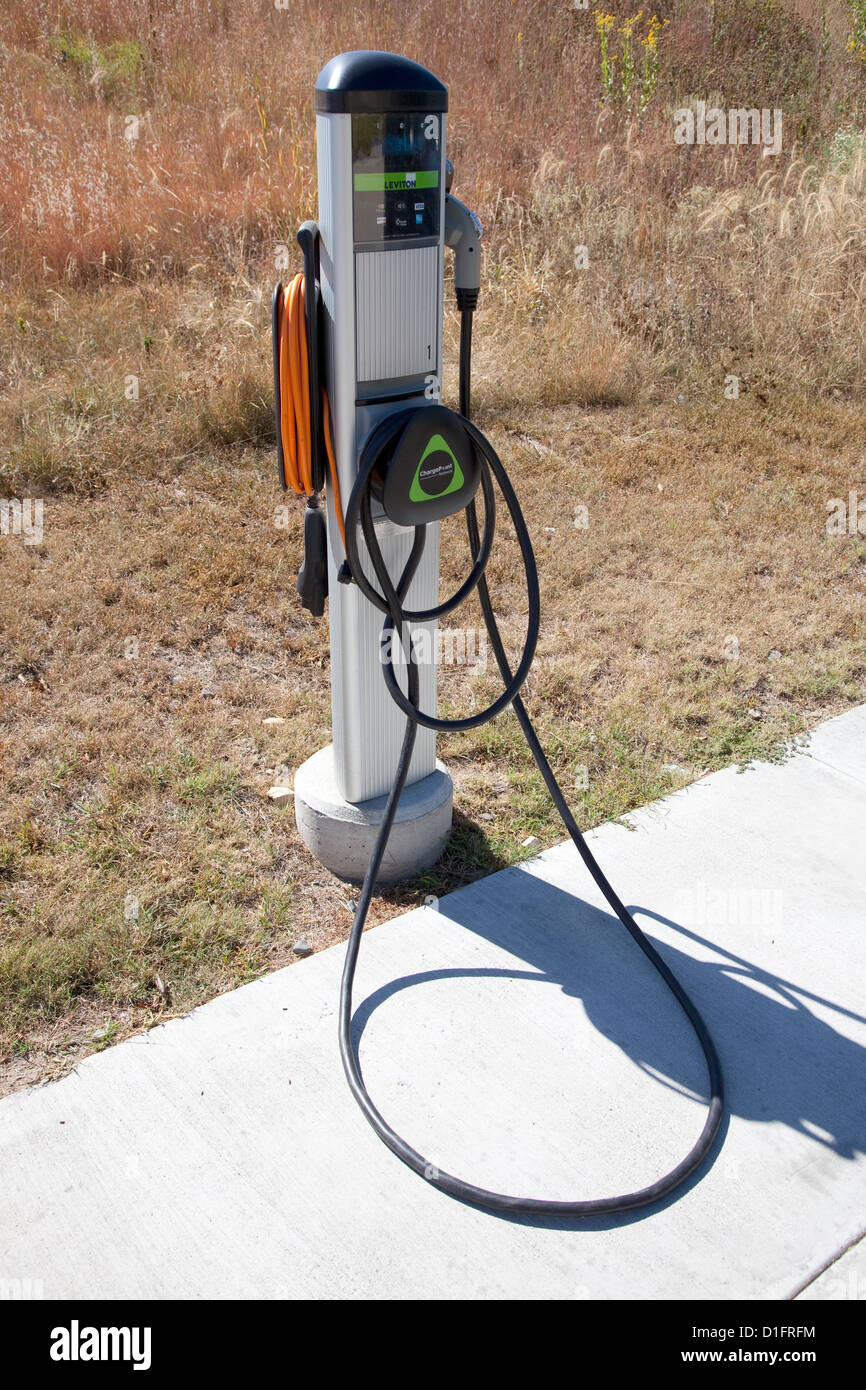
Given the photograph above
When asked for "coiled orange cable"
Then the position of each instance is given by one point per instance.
(295, 401)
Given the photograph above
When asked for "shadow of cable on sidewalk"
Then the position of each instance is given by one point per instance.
(782, 1061)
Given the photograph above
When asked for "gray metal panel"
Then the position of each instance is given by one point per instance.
(397, 312)
(367, 725)
(334, 144)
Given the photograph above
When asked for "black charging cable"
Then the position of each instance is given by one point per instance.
(389, 599)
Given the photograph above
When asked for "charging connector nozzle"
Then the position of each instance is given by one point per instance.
(463, 234)
(313, 574)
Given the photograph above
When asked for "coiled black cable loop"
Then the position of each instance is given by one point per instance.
(389, 599)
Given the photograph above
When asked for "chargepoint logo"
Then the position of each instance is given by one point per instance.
(438, 472)
(742, 125)
(77, 1343)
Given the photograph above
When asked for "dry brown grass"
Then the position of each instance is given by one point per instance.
(706, 522)
(224, 158)
(602, 388)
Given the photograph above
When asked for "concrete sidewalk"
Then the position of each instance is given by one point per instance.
(518, 1038)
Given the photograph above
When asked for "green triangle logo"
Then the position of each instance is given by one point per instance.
(436, 471)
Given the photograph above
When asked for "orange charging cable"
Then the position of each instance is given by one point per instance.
(295, 401)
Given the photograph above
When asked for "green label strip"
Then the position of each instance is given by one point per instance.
(380, 183)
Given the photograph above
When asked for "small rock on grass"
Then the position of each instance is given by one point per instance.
(530, 841)
(280, 796)
(274, 719)
(302, 948)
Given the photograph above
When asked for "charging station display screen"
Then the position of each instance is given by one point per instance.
(396, 168)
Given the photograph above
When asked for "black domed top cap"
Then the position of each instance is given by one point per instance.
(367, 81)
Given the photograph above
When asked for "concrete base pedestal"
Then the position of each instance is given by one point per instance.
(341, 834)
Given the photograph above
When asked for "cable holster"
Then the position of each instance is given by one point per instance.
(308, 240)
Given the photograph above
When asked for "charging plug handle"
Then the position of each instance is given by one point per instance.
(463, 233)
(313, 574)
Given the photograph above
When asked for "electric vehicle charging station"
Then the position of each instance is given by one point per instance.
(380, 132)
(357, 379)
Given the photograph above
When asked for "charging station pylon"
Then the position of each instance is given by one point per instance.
(379, 265)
